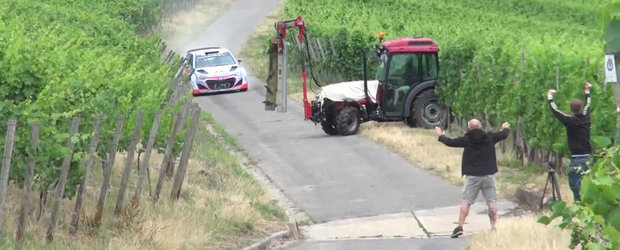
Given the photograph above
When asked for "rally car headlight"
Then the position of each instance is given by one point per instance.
(202, 74)
(235, 71)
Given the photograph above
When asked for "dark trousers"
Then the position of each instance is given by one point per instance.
(576, 171)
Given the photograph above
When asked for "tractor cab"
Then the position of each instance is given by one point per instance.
(407, 66)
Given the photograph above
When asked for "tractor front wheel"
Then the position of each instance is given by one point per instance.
(329, 128)
(426, 111)
(348, 121)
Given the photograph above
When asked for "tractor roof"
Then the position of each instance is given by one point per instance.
(411, 45)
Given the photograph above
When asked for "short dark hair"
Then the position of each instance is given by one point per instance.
(575, 106)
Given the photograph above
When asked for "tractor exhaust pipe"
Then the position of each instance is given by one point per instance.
(365, 73)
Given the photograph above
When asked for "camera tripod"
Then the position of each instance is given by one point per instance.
(555, 186)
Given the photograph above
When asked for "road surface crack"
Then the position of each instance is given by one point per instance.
(428, 234)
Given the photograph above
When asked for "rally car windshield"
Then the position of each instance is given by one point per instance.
(213, 60)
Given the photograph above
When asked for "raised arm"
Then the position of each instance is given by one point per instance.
(501, 135)
(587, 93)
(458, 142)
(564, 118)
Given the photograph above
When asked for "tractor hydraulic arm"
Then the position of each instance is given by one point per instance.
(283, 25)
(278, 48)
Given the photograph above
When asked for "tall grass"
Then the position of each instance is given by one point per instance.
(521, 233)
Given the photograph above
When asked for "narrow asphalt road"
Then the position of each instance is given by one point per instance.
(329, 177)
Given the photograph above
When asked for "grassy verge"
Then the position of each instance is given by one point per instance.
(521, 232)
(221, 207)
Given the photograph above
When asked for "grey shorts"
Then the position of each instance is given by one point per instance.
(475, 184)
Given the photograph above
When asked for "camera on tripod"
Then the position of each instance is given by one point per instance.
(555, 185)
(551, 167)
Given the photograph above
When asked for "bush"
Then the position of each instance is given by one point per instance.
(595, 221)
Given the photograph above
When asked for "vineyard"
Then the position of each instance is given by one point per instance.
(93, 115)
(497, 58)
(79, 81)
(66, 61)
(77, 59)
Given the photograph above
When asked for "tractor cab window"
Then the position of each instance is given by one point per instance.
(429, 66)
(382, 67)
(404, 69)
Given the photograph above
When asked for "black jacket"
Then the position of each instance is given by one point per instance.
(479, 155)
(577, 128)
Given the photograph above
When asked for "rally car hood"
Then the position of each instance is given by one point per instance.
(219, 70)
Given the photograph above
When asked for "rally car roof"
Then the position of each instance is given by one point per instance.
(207, 49)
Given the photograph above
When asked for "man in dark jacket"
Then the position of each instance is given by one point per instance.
(479, 165)
(578, 131)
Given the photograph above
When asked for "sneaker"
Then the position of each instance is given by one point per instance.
(458, 231)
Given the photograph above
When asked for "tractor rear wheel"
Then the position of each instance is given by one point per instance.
(426, 112)
(329, 128)
(348, 121)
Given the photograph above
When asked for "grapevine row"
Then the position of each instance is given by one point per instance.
(60, 59)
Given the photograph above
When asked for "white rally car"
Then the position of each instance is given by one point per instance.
(214, 70)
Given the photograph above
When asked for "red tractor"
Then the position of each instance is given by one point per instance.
(404, 90)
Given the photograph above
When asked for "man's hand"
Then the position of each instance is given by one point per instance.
(550, 94)
(587, 88)
(438, 131)
(505, 125)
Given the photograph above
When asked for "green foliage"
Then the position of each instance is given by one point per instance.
(595, 221)
(270, 210)
(497, 58)
(66, 58)
(611, 25)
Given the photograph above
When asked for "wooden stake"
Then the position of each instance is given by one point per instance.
(60, 186)
(143, 171)
(109, 164)
(187, 149)
(34, 144)
(92, 150)
(131, 151)
(6, 166)
(167, 155)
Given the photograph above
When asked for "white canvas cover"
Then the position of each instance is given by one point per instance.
(349, 91)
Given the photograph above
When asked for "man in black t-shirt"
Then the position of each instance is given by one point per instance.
(578, 131)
